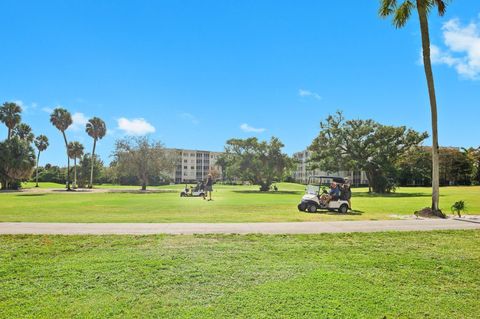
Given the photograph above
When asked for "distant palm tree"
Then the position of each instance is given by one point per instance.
(24, 132)
(10, 116)
(62, 119)
(41, 143)
(96, 129)
(75, 150)
(401, 13)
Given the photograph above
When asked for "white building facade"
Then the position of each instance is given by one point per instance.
(302, 172)
(194, 165)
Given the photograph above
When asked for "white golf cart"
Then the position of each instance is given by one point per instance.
(316, 187)
(197, 191)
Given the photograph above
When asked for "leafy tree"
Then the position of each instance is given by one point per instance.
(473, 156)
(51, 173)
(17, 160)
(476, 173)
(363, 145)
(24, 132)
(143, 158)
(10, 116)
(96, 129)
(85, 167)
(455, 167)
(415, 168)
(62, 119)
(401, 14)
(260, 163)
(75, 150)
(41, 143)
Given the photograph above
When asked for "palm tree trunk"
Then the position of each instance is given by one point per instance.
(68, 161)
(422, 13)
(5, 181)
(75, 172)
(92, 162)
(36, 174)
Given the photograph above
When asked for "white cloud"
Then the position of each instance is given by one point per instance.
(250, 129)
(79, 120)
(462, 48)
(25, 107)
(136, 126)
(307, 93)
(189, 117)
(48, 110)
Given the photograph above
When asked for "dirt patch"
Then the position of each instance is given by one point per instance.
(427, 212)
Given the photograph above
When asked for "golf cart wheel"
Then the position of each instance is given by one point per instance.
(343, 209)
(182, 194)
(312, 208)
(302, 207)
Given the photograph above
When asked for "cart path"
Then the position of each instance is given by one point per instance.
(235, 228)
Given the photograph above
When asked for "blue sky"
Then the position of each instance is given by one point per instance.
(196, 73)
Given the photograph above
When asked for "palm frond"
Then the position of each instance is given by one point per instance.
(387, 7)
(441, 6)
(403, 13)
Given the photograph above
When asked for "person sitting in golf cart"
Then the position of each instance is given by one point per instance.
(334, 194)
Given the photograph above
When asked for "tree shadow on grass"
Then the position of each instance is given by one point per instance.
(330, 212)
(32, 195)
(270, 193)
(139, 191)
(392, 195)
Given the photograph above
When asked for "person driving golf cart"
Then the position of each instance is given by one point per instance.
(317, 197)
(334, 194)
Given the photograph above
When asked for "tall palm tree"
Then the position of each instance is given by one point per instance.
(401, 13)
(24, 132)
(96, 129)
(41, 143)
(10, 116)
(62, 119)
(75, 150)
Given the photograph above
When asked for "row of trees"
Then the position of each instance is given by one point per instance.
(390, 156)
(456, 167)
(17, 157)
(95, 128)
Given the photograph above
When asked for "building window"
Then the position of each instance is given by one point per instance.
(185, 167)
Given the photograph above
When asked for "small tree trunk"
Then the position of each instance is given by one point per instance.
(68, 162)
(36, 174)
(265, 187)
(422, 13)
(75, 172)
(144, 186)
(9, 134)
(92, 163)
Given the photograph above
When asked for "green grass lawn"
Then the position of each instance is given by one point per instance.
(231, 204)
(378, 275)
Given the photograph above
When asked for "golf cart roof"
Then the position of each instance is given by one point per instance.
(336, 179)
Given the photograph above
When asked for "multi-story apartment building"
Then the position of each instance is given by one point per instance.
(302, 172)
(194, 165)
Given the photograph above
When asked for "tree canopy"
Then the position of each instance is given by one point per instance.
(142, 157)
(363, 145)
(10, 116)
(258, 162)
(17, 161)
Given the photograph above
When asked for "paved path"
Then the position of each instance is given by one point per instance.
(235, 228)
